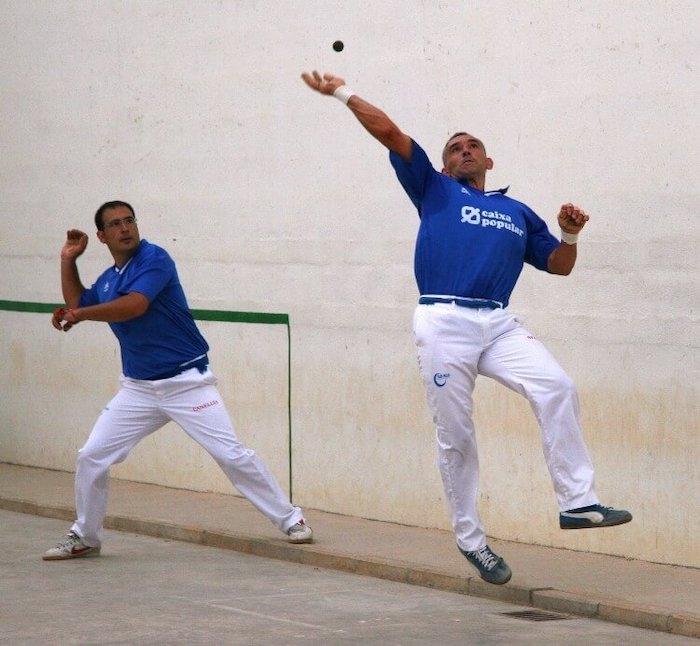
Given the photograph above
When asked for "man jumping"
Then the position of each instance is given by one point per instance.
(470, 250)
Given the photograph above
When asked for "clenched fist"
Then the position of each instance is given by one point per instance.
(61, 314)
(572, 218)
(75, 244)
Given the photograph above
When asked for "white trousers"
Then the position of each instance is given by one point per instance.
(192, 400)
(455, 344)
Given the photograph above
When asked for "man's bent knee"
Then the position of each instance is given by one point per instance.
(92, 457)
(565, 385)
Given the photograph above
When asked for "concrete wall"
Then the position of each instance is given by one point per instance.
(274, 199)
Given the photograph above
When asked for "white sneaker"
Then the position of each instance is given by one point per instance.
(71, 547)
(300, 533)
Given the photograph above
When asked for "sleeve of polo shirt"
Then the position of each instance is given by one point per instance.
(540, 242)
(89, 297)
(151, 277)
(414, 174)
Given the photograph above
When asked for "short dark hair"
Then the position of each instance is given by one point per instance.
(110, 205)
(458, 134)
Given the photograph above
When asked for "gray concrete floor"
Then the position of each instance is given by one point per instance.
(148, 590)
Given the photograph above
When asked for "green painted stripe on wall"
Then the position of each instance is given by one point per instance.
(200, 315)
(21, 306)
(241, 317)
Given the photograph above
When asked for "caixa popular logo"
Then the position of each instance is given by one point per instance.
(440, 378)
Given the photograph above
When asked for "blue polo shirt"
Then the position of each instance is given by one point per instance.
(165, 337)
(470, 243)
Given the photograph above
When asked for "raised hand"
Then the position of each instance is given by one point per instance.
(572, 218)
(76, 242)
(326, 84)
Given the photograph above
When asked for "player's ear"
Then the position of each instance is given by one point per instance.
(101, 236)
(489, 163)
(444, 171)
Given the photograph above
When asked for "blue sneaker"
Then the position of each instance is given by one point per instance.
(492, 568)
(593, 516)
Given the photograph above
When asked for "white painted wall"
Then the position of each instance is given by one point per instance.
(274, 199)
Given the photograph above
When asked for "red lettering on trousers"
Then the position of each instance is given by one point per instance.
(213, 402)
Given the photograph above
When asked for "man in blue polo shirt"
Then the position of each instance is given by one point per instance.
(166, 376)
(470, 250)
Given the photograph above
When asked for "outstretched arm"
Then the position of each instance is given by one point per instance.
(376, 122)
(571, 220)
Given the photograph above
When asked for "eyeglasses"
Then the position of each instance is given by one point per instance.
(113, 224)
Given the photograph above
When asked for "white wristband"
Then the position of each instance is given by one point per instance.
(343, 93)
(569, 238)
